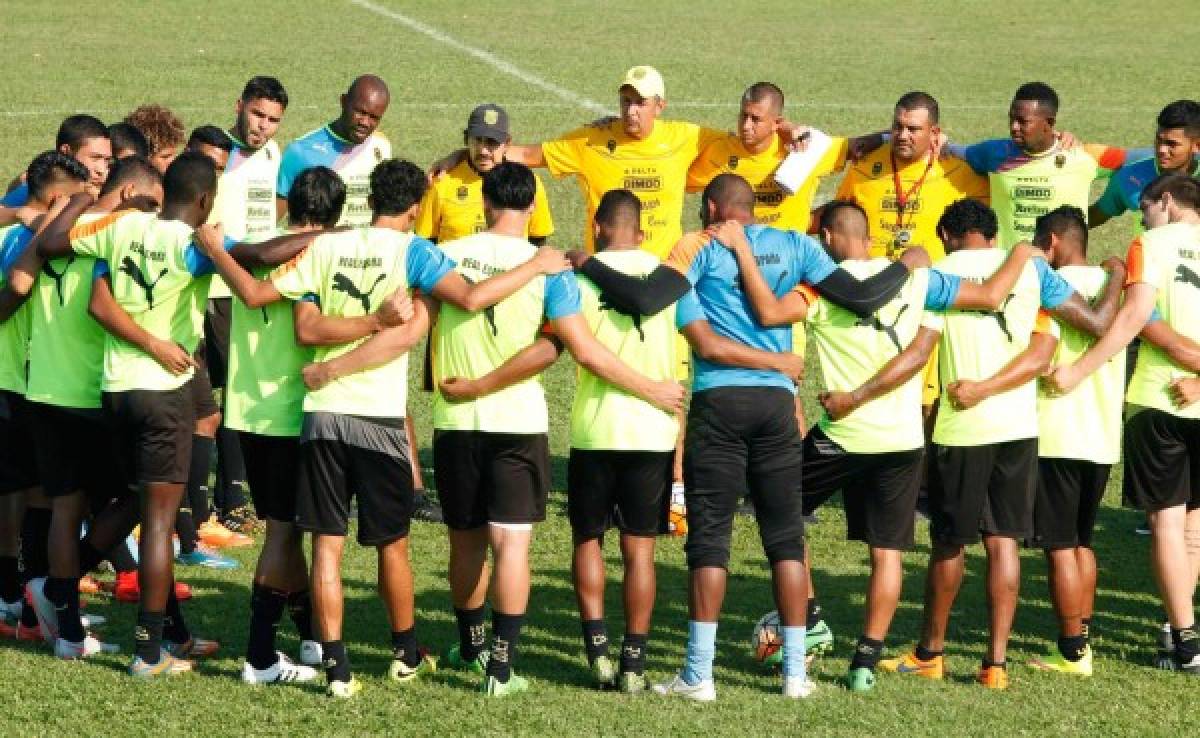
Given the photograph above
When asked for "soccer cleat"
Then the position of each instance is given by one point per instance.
(89, 646)
(910, 664)
(631, 682)
(705, 691)
(817, 640)
(604, 672)
(798, 687)
(493, 687)
(217, 535)
(401, 672)
(1191, 666)
(195, 648)
(90, 585)
(11, 610)
(425, 508)
(454, 660)
(242, 520)
(43, 608)
(128, 590)
(344, 690)
(860, 679)
(283, 671)
(167, 665)
(1057, 662)
(993, 677)
(207, 558)
(310, 653)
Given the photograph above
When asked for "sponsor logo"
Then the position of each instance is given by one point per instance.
(652, 184)
(342, 283)
(733, 162)
(1032, 192)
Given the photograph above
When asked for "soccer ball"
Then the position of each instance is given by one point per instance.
(767, 638)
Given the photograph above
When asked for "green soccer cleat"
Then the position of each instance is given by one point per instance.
(604, 672)
(403, 673)
(630, 682)
(454, 660)
(860, 679)
(344, 690)
(817, 640)
(1056, 662)
(493, 687)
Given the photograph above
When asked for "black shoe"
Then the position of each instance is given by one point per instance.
(425, 508)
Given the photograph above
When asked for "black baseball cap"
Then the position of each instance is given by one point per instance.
(488, 121)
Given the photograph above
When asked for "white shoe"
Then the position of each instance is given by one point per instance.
(47, 616)
(798, 688)
(310, 653)
(90, 646)
(283, 671)
(705, 691)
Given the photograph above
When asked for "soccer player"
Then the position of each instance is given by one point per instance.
(352, 146)
(353, 441)
(1032, 172)
(1176, 145)
(1162, 265)
(127, 141)
(86, 139)
(985, 438)
(163, 129)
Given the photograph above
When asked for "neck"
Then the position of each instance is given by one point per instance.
(401, 222)
(1187, 216)
(509, 223)
(904, 161)
(1075, 258)
(107, 203)
(759, 147)
(239, 139)
(1041, 147)
(618, 243)
(179, 212)
(975, 241)
(645, 134)
(339, 128)
(1187, 168)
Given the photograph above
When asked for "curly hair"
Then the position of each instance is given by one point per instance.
(162, 128)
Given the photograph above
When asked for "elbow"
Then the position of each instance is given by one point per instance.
(775, 320)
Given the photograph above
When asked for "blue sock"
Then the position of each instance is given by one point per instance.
(793, 650)
(701, 648)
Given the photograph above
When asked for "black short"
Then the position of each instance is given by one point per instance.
(153, 432)
(1162, 461)
(626, 489)
(491, 477)
(1069, 492)
(216, 339)
(344, 457)
(203, 403)
(75, 452)
(985, 489)
(743, 439)
(879, 491)
(18, 468)
(272, 471)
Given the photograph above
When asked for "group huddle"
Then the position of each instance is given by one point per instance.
(969, 353)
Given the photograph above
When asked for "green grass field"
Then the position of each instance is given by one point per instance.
(842, 65)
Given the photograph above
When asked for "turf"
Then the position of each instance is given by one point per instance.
(841, 65)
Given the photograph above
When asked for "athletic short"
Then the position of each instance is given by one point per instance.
(203, 403)
(1162, 461)
(153, 432)
(347, 456)
(272, 471)
(879, 491)
(739, 440)
(931, 388)
(216, 339)
(630, 490)
(985, 489)
(1069, 492)
(487, 477)
(18, 468)
(75, 452)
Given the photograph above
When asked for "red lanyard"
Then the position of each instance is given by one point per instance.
(902, 197)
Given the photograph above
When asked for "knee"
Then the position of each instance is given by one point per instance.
(709, 554)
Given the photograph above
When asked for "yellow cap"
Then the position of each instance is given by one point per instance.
(646, 80)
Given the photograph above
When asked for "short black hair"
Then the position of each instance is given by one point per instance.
(51, 167)
(316, 198)
(619, 208)
(727, 191)
(765, 92)
(835, 210)
(210, 136)
(135, 169)
(1040, 93)
(191, 175)
(917, 100)
(127, 136)
(968, 216)
(265, 88)
(509, 186)
(1183, 114)
(1062, 221)
(1183, 189)
(396, 185)
(76, 129)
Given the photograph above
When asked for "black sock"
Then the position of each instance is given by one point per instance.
(595, 639)
(174, 626)
(197, 483)
(867, 653)
(506, 630)
(1187, 643)
(814, 612)
(63, 593)
(121, 558)
(988, 663)
(89, 557)
(231, 470)
(337, 661)
(1087, 630)
(1071, 647)
(147, 636)
(185, 526)
(35, 542)
(299, 605)
(10, 578)
(924, 654)
(266, 610)
(404, 647)
(472, 635)
(633, 653)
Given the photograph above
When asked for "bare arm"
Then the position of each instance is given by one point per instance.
(990, 295)
(19, 283)
(528, 362)
(1130, 320)
(55, 238)
(1022, 368)
(316, 329)
(1096, 319)
(720, 350)
(377, 350)
(253, 292)
(273, 252)
(898, 370)
(452, 288)
(1179, 348)
(598, 360)
(104, 309)
(528, 154)
(281, 208)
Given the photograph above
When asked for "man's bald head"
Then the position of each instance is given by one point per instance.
(363, 107)
(727, 197)
(369, 84)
